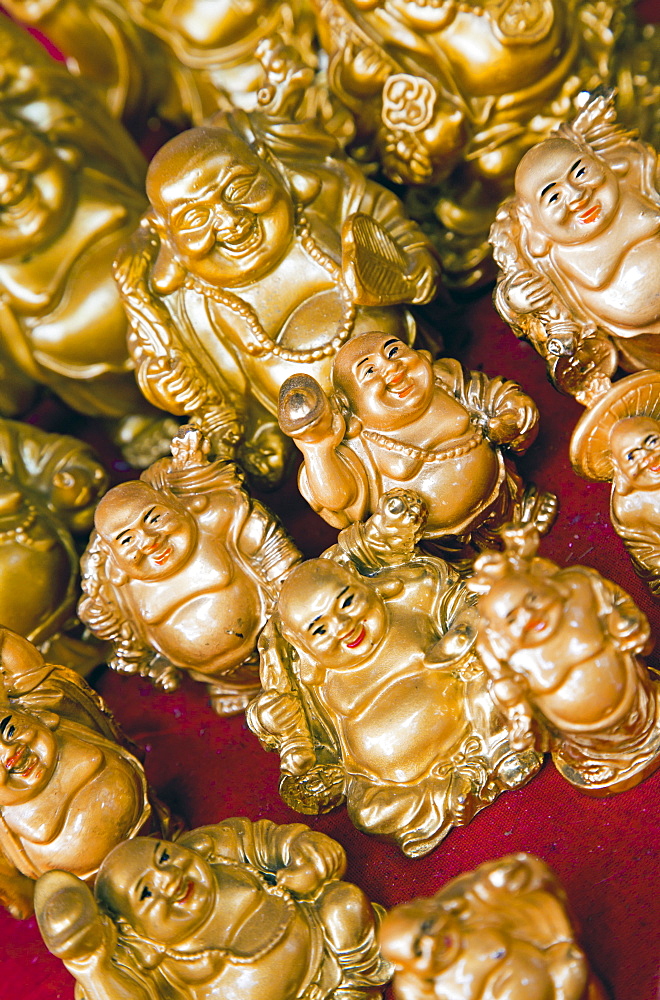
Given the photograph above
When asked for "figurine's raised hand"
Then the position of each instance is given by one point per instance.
(68, 916)
(306, 415)
(397, 525)
(314, 860)
(189, 448)
(529, 292)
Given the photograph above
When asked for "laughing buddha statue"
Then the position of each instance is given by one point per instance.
(264, 251)
(182, 571)
(372, 692)
(447, 96)
(239, 909)
(578, 247)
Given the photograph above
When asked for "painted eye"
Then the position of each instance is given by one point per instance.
(346, 603)
(581, 172)
(195, 218)
(553, 197)
(146, 892)
(394, 350)
(10, 732)
(651, 441)
(164, 857)
(154, 519)
(319, 631)
(127, 540)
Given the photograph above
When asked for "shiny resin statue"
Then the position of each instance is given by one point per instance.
(265, 250)
(49, 486)
(396, 418)
(562, 648)
(451, 94)
(239, 909)
(179, 59)
(372, 690)
(70, 194)
(501, 932)
(578, 247)
(618, 439)
(69, 792)
(182, 571)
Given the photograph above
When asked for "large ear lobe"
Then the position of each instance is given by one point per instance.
(538, 244)
(116, 576)
(620, 483)
(167, 275)
(49, 719)
(147, 954)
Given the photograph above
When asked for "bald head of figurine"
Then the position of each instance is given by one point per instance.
(148, 533)
(386, 384)
(567, 194)
(635, 451)
(420, 937)
(331, 614)
(222, 212)
(165, 892)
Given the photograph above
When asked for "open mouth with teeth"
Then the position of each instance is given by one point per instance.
(400, 385)
(355, 637)
(22, 761)
(244, 238)
(183, 891)
(590, 214)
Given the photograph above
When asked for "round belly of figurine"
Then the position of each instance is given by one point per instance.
(456, 490)
(34, 586)
(592, 694)
(212, 632)
(414, 722)
(632, 299)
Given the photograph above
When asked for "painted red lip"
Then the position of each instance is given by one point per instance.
(19, 757)
(535, 625)
(187, 894)
(590, 215)
(358, 639)
(165, 554)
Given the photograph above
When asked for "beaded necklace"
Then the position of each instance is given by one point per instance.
(263, 344)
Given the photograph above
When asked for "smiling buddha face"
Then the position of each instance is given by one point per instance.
(571, 195)
(148, 534)
(331, 614)
(28, 755)
(164, 891)
(524, 609)
(225, 213)
(635, 448)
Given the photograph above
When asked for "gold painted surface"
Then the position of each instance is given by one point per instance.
(447, 96)
(578, 247)
(237, 909)
(69, 792)
(49, 486)
(563, 651)
(179, 60)
(618, 440)
(393, 419)
(182, 571)
(372, 691)
(70, 194)
(500, 930)
(245, 270)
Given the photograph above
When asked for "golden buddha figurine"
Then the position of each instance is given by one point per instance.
(501, 932)
(264, 251)
(177, 59)
(618, 440)
(450, 95)
(70, 194)
(49, 486)
(372, 691)
(578, 246)
(182, 571)
(396, 418)
(68, 790)
(562, 648)
(239, 909)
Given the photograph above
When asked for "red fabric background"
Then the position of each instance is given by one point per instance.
(604, 850)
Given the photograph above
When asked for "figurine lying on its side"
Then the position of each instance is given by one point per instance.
(562, 649)
(182, 571)
(239, 909)
(372, 689)
(500, 932)
(69, 792)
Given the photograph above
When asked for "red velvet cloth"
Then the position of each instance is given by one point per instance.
(603, 850)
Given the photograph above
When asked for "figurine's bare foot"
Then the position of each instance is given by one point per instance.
(163, 674)
(317, 791)
(231, 702)
(517, 768)
(16, 893)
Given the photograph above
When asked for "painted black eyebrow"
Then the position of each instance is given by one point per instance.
(342, 592)
(576, 164)
(393, 340)
(149, 512)
(4, 723)
(362, 362)
(548, 186)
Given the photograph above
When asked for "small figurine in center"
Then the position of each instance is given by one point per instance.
(182, 571)
(264, 251)
(501, 932)
(239, 909)
(372, 691)
(579, 249)
(562, 648)
(398, 419)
